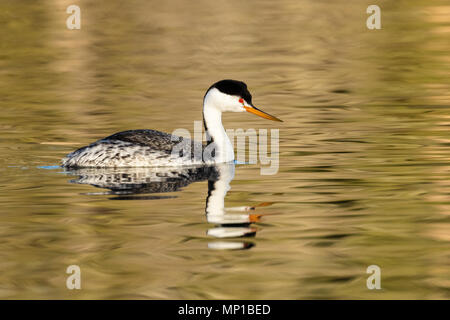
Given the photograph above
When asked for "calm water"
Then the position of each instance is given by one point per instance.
(364, 173)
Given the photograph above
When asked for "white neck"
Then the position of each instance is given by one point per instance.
(213, 120)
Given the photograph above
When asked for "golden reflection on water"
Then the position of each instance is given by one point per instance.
(363, 179)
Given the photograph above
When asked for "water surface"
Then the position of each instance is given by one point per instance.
(364, 150)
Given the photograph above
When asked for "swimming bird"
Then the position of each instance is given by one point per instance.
(152, 148)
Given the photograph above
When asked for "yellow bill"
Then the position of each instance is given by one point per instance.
(261, 113)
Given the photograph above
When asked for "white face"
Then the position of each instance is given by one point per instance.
(225, 102)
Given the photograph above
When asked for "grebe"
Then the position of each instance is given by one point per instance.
(151, 148)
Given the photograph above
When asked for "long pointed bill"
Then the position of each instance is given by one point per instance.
(261, 113)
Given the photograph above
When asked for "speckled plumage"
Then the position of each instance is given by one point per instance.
(135, 148)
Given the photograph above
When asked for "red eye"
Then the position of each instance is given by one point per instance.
(241, 100)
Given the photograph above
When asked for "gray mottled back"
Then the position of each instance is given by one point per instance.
(134, 148)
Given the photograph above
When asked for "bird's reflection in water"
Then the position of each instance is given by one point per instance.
(143, 183)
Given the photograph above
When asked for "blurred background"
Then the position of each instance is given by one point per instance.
(364, 172)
